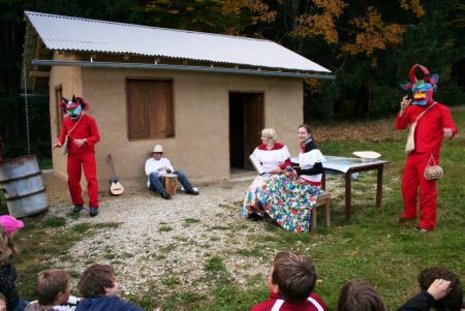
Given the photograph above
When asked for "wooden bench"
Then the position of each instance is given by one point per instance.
(324, 199)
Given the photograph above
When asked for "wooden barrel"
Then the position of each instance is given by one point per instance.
(21, 181)
(171, 183)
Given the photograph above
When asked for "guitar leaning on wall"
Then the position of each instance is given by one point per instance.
(116, 188)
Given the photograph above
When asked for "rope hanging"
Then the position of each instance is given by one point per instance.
(26, 106)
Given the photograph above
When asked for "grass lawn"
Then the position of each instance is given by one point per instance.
(370, 246)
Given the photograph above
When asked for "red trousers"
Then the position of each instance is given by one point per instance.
(412, 178)
(87, 162)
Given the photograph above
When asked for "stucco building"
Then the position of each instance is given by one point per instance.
(204, 97)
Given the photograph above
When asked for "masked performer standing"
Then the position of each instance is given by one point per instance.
(83, 134)
(433, 122)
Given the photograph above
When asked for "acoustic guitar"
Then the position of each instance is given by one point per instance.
(116, 188)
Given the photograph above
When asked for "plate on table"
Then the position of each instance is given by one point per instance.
(367, 156)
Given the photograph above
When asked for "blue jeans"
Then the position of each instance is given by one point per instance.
(156, 183)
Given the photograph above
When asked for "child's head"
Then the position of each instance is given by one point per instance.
(98, 280)
(10, 224)
(2, 302)
(454, 300)
(359, 295)
(294, 276)
(6, 247)
(53, 287)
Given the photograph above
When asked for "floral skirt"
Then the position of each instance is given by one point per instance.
(287, 201)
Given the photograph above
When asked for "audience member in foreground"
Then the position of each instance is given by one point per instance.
(8, 275)
(357, 295)
(291, 281)
(100, 290)
(2, 302)
(440, 290)
(53, 292)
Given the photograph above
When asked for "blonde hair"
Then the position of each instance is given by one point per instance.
(7, 247)
(270, 133)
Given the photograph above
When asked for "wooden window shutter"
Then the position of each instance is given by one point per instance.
(150, 109)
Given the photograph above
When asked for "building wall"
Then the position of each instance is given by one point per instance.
(201, 103)
(70, 80)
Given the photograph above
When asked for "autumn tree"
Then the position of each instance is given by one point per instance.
(217, 16)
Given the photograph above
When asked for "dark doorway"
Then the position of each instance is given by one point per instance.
(246, 119)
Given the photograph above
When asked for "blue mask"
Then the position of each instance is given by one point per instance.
(74, 113)
(422, 93)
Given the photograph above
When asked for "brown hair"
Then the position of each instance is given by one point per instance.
(309, 131)
(49, 284)
(359, 295)
(7, 247)
(95, 279)
(2, 298)
(454, 299)
(295, 276)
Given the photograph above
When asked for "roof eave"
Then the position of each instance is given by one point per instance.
(211, 69)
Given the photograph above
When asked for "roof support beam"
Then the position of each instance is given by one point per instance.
(239, 71)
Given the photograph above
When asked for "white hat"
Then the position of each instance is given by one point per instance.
(158, 149)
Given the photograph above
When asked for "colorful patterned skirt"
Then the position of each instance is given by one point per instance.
(288, 202)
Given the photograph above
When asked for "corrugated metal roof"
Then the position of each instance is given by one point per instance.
(60, 32)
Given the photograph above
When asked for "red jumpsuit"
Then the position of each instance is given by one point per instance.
(428, 138)
(83, 156)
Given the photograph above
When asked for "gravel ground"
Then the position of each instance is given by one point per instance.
(163, 244)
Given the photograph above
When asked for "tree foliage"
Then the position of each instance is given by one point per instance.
(369, 45)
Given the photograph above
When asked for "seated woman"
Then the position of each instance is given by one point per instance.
(273, 157)
(279, 194)
(310, 167)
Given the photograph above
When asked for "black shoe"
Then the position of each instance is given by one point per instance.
(193, 192)
(255, 217)
(77, 209)
(165, 195)
(93, 211)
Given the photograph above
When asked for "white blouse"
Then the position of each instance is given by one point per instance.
(270, 159)
(306, 162)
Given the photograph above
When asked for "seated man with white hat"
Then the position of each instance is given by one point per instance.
(157, 166)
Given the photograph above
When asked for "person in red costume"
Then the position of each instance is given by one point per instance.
(435, 124)
(83, 135)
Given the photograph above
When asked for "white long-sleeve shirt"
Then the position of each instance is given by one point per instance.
(157, 166)
(271, 159)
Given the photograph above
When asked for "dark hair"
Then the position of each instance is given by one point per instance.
(2, 297)
(309, 131)
(49, 284)
(454, 299)
(359, 295)
(295, 276)
(95, 279)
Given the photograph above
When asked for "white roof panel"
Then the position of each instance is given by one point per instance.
(60, 32)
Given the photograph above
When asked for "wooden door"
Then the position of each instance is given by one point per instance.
(253, 123)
